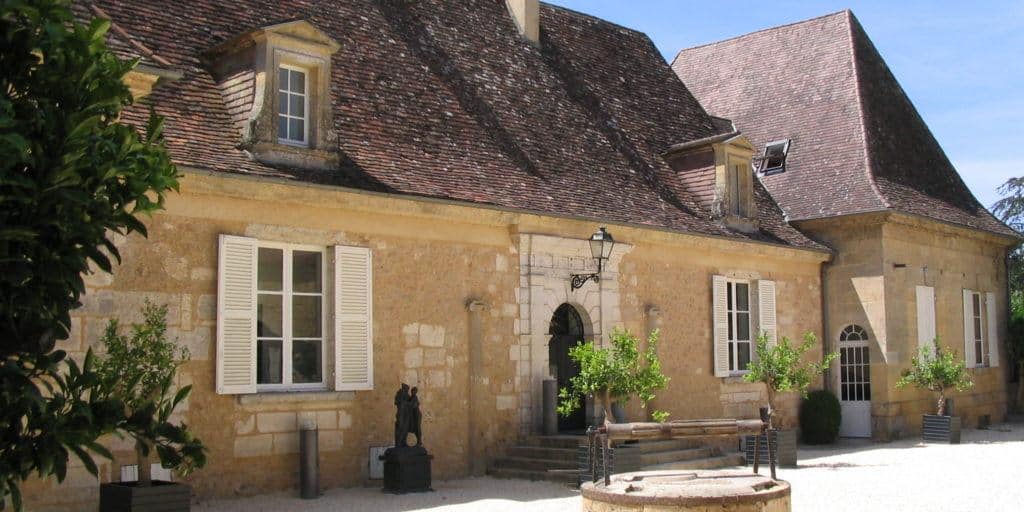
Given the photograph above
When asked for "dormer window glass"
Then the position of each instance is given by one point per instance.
(292, 106)
(774, 159)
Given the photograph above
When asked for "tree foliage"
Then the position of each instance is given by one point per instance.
(70, 176)
(1010, 209)
(1015, 344)
(614, 373)
(938, 373)
(781, 367)
(138, 369)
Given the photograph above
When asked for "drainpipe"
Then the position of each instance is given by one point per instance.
(826, 337)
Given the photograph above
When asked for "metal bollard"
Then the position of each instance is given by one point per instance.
(309, 462)
(550, 404)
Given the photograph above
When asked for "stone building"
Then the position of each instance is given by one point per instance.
(852, 164)
(383, 192)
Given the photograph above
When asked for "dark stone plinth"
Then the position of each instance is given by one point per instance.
(406, 469)
(159, 497)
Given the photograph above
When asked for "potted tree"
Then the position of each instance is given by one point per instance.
(614, 374)
(938, 373)
(138, 369)
(780, 366)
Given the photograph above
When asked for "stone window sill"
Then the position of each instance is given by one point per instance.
(294, 156)
(291, 397)
(736, 378)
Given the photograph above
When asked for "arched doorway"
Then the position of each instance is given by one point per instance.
(854, 382)
(566, 331)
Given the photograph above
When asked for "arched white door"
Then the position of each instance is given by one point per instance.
(854, 382)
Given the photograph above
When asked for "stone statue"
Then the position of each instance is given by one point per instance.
(407, 468)
(402, 415)
(415, 417)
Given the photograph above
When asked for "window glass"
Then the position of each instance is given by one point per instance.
(290, 294)
(268, 274)
(743, 356)
(306, 361)
(268, 361)
(306, 272)
(291, 105)
(743, 296)
(306, 320)
(268, 316)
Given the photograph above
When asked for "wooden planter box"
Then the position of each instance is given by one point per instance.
(941, 429)
(785, 448)
(159, 497)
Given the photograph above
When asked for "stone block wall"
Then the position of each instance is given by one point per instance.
(462, 301)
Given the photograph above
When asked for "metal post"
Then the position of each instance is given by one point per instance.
(550, 406)
(309, 463)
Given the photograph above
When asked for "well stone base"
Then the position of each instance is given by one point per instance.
(703, 491)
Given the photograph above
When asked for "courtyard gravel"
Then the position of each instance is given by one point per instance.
(982, 473)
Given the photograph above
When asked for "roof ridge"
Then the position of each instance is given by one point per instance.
(861, 122)
(768, 29)
(128, 37)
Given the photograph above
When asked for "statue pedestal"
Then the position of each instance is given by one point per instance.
(406, 469)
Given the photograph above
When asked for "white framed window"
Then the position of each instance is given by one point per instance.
(774, 158)
(290, 317)
(738, 315)
(292, 105)
(977, 335)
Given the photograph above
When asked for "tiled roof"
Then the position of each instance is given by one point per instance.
(443, 99)
(858, 143)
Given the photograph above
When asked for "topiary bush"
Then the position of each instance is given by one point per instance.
(820, 416)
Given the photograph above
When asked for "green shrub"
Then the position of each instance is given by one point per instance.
(820, 416)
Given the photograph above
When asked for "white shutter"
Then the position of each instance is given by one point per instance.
(720, 327)
(353, 318)
(992, 313)
(766, 310)
(926, 319)
(968, 329)
(236, 315)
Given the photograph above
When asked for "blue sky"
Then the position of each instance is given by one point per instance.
(962, 63)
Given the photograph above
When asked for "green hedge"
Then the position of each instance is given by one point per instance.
(820, 417)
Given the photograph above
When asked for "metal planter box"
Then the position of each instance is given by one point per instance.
(784, 442)
(160, 497)
(941, 429)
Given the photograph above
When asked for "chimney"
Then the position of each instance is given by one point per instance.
(526, 14)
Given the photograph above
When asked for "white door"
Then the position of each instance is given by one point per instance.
(854, 383)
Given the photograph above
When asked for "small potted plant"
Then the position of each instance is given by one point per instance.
(138, 369)
(614, 374)
(781, 368)
(938, 373)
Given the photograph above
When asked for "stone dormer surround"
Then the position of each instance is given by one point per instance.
(246, 71)
(705, 167)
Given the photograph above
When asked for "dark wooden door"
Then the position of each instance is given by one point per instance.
(567, 332)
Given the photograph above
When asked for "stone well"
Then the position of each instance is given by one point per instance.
(682, 490)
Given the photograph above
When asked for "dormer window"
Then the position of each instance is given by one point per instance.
(774, 159)
(275, 82)
(292, 106)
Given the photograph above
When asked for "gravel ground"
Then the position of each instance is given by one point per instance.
(982, 473)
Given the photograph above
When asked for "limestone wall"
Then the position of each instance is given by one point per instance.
(459, 310)
(880, 259)
(927, 253)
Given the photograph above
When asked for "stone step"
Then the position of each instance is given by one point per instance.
(563, 477)
(542, 452)
(534, 464)
(557, 441)
(716, 462)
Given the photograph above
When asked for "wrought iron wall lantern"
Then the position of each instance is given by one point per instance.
(601, 243)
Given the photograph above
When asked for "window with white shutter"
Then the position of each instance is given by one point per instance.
(353, 318)
(992, 314)
(766, 310)
(976, 351)
(236, 315)
(925, 318)
(720, 325)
